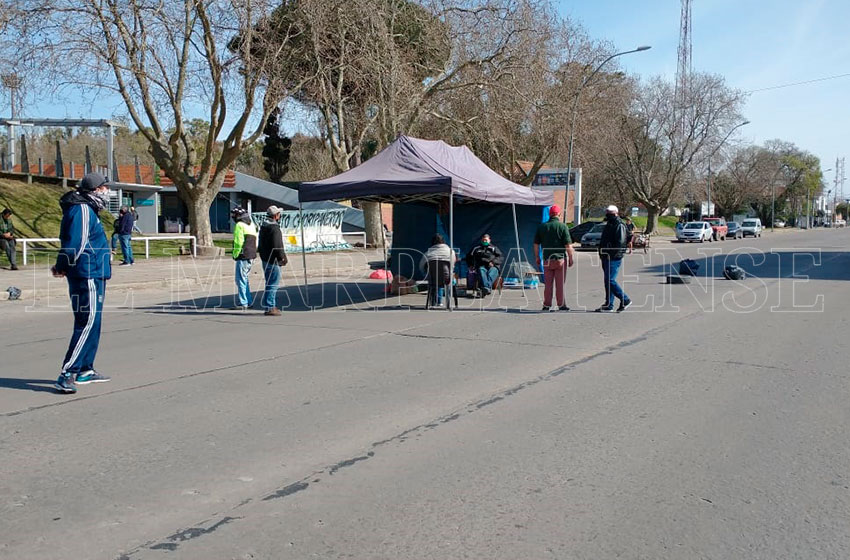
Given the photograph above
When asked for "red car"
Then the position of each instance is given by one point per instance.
(718, 225)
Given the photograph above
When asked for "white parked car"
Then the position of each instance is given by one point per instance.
(695, 231)
(840, 223)
(751, 226)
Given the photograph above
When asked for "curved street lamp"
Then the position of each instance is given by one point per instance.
(584, 82)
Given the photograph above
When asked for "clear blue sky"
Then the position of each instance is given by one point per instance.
(754, 44)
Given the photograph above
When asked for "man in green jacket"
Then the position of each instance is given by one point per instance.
(7, 236)
(244, 253)
(554, 237)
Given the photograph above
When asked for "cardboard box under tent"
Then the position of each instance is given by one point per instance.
(415, 172)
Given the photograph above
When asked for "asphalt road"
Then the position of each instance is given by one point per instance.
(707, 421)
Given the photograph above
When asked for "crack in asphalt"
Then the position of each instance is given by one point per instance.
(470, 339)
(172, 542)
(758, 366)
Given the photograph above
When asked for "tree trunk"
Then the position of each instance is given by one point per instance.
(651, 219)
(372, 219)
(199, 220)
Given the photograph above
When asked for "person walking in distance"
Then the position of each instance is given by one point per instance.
(7, 237)
(125, 232)
(83, 260)
(273, 256)
(554, 237)
(612, 247)
(244, 253)
(135, 214)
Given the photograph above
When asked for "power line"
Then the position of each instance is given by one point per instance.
(801, 83)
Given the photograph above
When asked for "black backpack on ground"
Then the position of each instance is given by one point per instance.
(733, 272)
(688, 267)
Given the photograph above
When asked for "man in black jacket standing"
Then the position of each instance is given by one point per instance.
(612, 247)
(273, 255)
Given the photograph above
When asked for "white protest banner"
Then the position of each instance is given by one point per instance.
(322, 229)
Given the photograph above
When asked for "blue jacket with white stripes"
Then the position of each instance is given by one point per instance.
(85, 250)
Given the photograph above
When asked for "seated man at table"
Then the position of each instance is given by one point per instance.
(485, 259)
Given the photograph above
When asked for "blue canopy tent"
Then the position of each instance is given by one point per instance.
(411, 170)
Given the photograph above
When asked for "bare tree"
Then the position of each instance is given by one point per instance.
(747, 178)
(658, 144)
(376, 68)
(169, 63)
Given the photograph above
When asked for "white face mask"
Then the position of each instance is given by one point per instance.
(100, 198)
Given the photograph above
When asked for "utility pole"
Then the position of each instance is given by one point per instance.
(684, 64)
(12, 82)
(839, 180)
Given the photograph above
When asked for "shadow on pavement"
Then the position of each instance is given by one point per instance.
(353, 296)
(38, 385)
(813, 263)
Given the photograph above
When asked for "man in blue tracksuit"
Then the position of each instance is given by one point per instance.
(84, 261)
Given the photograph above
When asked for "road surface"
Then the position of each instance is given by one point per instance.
(707, 421)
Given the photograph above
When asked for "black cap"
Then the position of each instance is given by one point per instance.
(6, 211)
(92, 181)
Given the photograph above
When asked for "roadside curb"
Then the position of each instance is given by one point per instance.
(193, 282)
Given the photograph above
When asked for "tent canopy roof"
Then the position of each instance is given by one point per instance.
(411, 169)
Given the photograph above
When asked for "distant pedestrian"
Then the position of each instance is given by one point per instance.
(554, 237)
(125, 232)
(113, 243)
(7, 237)
(84, 261)
(244, 253)
(135, 214)
(273, 256)
(612, 247)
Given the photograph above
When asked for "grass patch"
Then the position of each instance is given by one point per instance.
(35, 208)
(666, 224)
(36, 213)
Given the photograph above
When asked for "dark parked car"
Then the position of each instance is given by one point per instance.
(577, 232)
(735, 231)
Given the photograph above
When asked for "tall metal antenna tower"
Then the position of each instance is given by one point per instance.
(683, 70)
(839, 179)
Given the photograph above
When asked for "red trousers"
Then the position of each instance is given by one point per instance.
(553, 275)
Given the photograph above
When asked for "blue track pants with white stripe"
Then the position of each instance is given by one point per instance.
(87, 304)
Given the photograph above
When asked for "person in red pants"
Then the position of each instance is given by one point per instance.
(554, 237)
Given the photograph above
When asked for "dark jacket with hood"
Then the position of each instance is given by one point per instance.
(271, 244)
(615, 239)
(85, 251)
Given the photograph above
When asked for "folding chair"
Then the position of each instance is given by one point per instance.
(440, 276)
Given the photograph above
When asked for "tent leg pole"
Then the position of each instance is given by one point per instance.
(450, 292)
(303, 252)
(518, 251)
(384, 244)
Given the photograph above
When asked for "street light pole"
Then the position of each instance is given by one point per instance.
(584, 82)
